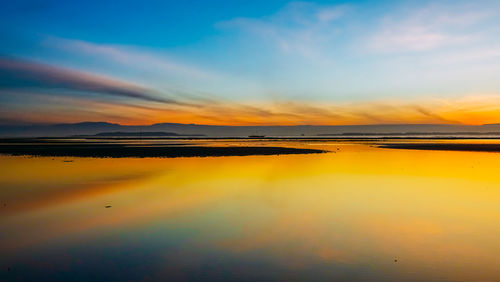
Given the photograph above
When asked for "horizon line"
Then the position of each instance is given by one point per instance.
(229, 125)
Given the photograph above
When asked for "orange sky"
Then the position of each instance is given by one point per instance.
(473, 110)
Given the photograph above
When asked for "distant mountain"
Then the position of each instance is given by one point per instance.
(92, 128)
(58, 130)
(121, 133)
(140, 134)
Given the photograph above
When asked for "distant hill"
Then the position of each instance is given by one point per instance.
(141, 134)
(93, 128)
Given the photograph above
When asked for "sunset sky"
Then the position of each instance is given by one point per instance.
(250, 62)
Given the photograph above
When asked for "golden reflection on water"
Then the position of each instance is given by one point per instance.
(391, 214)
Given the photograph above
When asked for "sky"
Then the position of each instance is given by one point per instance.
(250, 62)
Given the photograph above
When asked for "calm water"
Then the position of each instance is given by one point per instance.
(359, 213)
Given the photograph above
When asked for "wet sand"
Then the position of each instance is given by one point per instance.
(110, 150)
(444, 147)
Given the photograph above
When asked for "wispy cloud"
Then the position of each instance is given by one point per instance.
(24, 74)
(475, 109)
(330, 13)
(157, 68)
(128, 56)
(480, 54)
(299, 28)
(429, 28)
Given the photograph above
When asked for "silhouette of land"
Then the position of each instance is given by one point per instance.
(93, 128)
(116, 150)
(444, 147)
(142, 134)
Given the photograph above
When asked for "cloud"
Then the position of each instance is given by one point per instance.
(24, 74)
(429, 28)
(414, 38)
(330, 14)
(481, 54)
(159, 69)
(475, 109)
(299, 28)
(128, 56)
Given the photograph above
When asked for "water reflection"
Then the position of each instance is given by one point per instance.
(358, 213)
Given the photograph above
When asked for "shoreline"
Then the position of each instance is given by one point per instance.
(492, 148)
(144, 151)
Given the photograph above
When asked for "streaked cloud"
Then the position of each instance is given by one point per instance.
(474, 109)
(159, 69)
(131, 57)
(25, 74)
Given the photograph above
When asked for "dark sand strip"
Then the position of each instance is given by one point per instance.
(124, 151)
(444, 147)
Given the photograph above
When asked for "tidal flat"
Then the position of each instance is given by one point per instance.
(354, 212)
(135, 149)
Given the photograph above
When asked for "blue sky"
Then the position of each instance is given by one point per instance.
(336, 57)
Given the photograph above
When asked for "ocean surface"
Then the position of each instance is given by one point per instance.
(356, 213)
